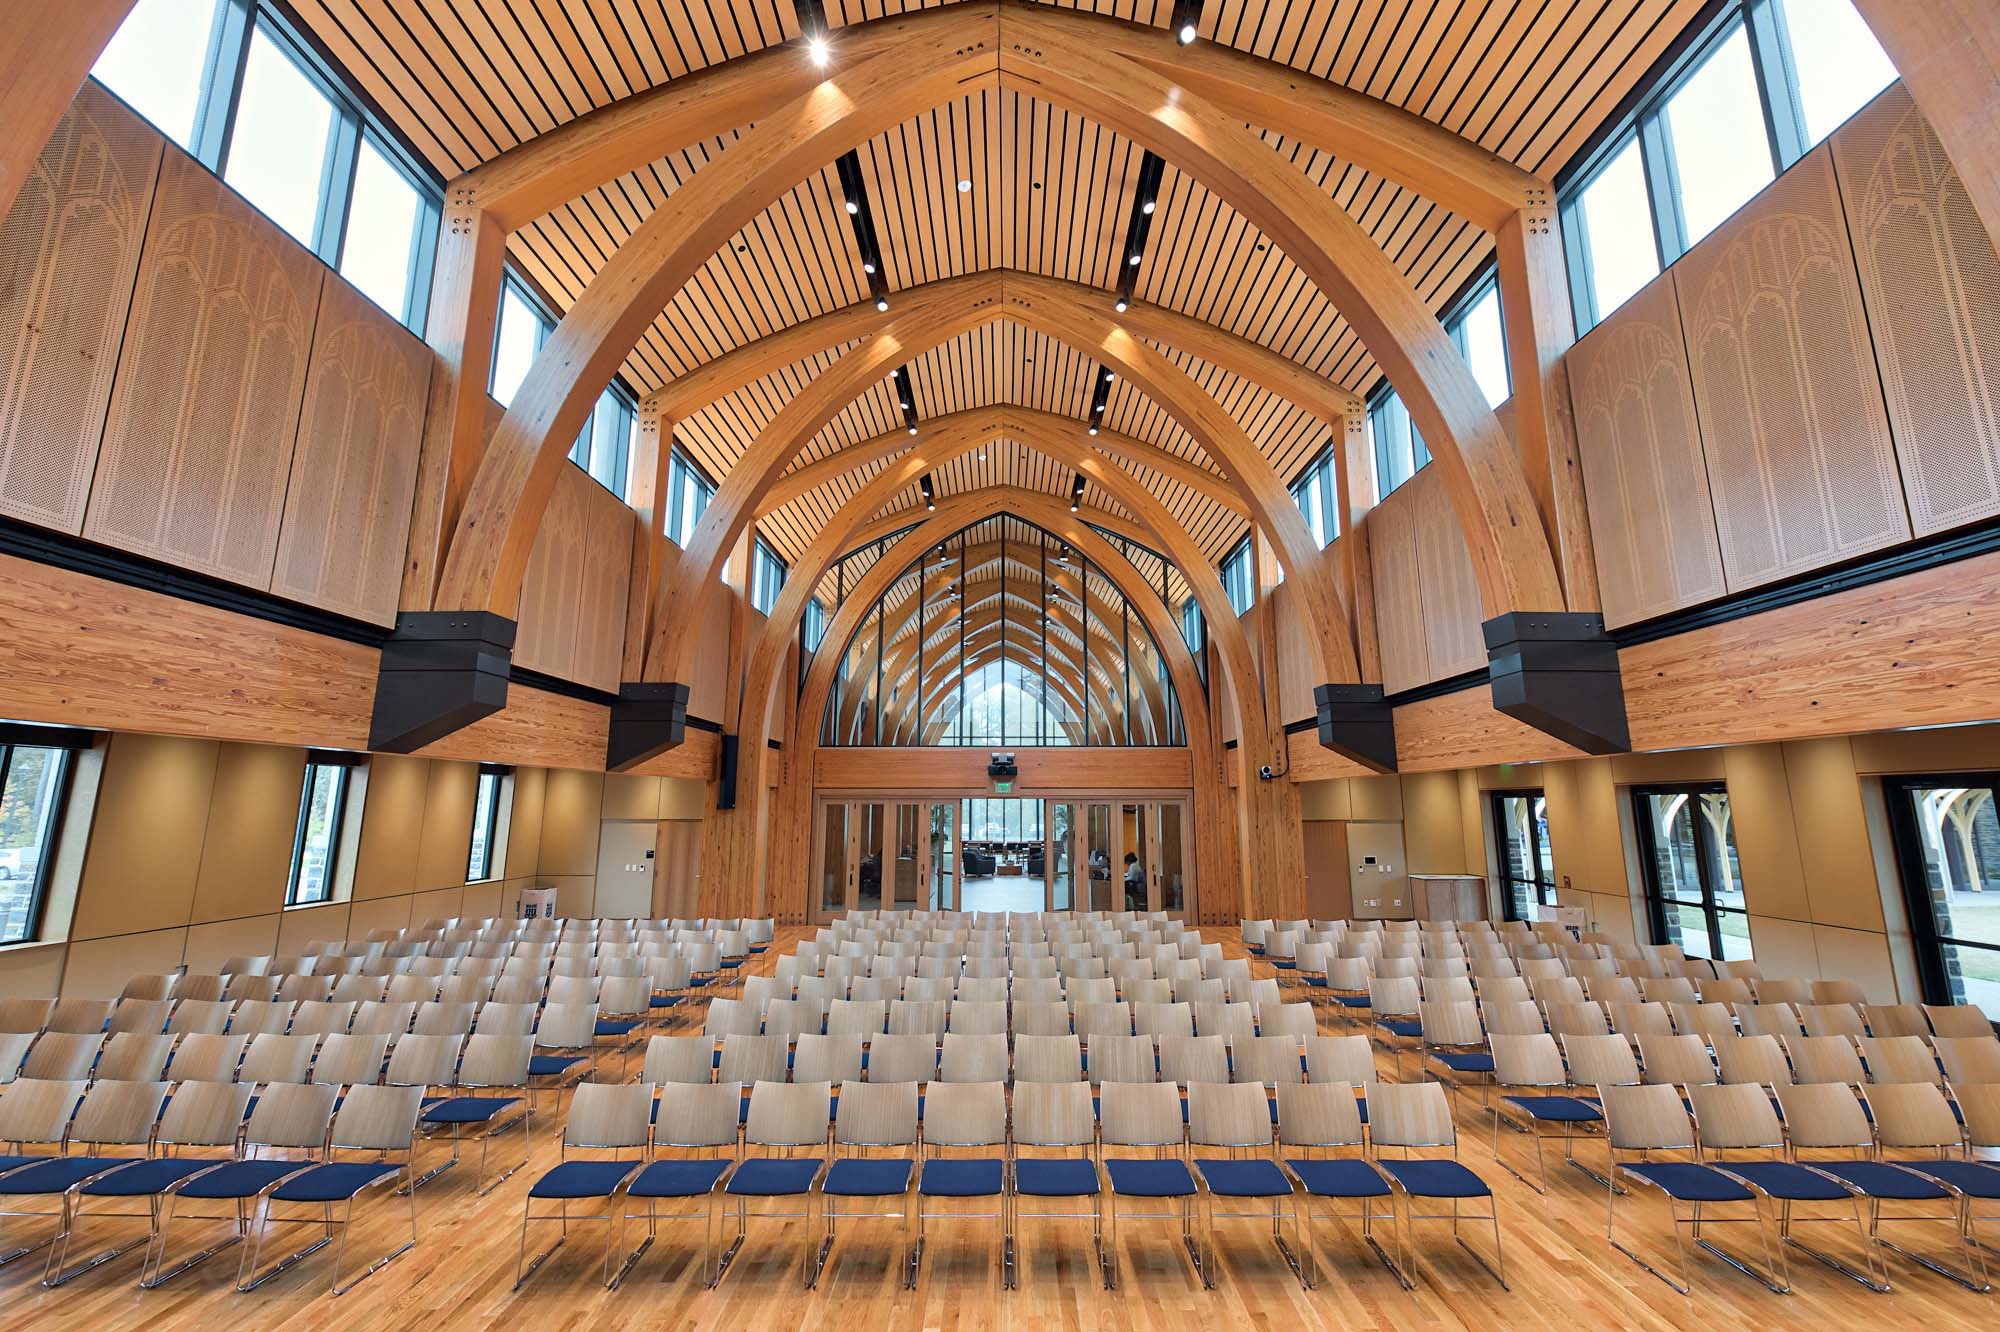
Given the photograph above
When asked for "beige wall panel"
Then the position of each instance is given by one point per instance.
(69, 250)
(1767, 835)
(1607, 915)
(205, 407)
(438, 904)
(99, 968)
(1784, 947)
(1598, 865)
(1375, 798)
(681, 798)
(383, 913)
(570, 813)
(1433, 824)
(1833, 834)
(392, 825)
(1453, 642)
(627, 796)
(208, 944)
(1324, 800)
(1863, 956)
(304, 926)
(1690, 765)
(524, 824)
(1946, 749)
(1800, 462)
(576, 894)
(1645, 482)
(32, 971)
(1399, 602)
(347, 508)
(447, 832)
(1931, 281)
(145, 840)
(253, 816)
(483, 901)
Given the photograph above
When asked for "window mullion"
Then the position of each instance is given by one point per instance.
(336, 186)
(1663, 188)
(1777, 83)
(221, 78)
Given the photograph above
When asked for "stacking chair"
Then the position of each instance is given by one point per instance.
(1047, 1059)
(1236, 1117)
(1742, 1117)
(1148, 1115)
(874, 1117)
(111, 1114)
(1842, 1020)
(1057, 1116)
(1916, 1116)
(1533, 1062)
(374, 1120)
(569, 1033)
(1266, 1060)
(1825, 1116)
(788, 1118)
(1969, 1060)
(192, 1016)
(131, 1057)
(973, 1058)
(58, 1056)
(201, 1114)
(1121, 1059)
(486, 1065)
(1325, 1116)
(289, 1117)
(903, 1058)
(698, 1118)
(608, 1117)
(969, 1116)
(1416, 1116)
(1394, 1002)
(834, 1059)
(1958, 1020)
(1453, 1039)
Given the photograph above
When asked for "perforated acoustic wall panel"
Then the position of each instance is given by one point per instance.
(347, 510)
(606, 580)
(1931, 281)
(546, 638)
(1453, 643)
(68, 253)
(1399, 602)
(205, 407)
(1645, 481)
(1789, 404)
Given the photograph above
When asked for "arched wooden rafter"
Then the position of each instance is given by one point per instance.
(1051, 57)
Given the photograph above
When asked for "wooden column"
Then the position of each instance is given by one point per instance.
(1275, 846)
(1948, 53)
(728, 836)
(46, 50)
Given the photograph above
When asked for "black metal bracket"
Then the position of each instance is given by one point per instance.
(441, 671)
(1356, 722)
(646, 721)
(1557, 671)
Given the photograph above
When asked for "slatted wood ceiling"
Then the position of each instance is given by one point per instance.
(468, 79)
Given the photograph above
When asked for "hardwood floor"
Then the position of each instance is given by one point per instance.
(458, 1278)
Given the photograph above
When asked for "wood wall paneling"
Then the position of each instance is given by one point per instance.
(69, 251)
(1111, 768)
(354, 472)
(1453, 641)
(1646, 483)
(1399, 622)
(205, 404)
(1931, 280)
(1800, 462)
(546, 640)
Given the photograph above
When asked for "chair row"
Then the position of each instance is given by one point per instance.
(868, 1017)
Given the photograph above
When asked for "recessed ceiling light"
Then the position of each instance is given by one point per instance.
(965, 187)
(1147, 207)
(868, 266)
(852, 208)
(1110, 375)
(1134, 260)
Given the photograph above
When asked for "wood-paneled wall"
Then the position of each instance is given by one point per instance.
(1835, 396)
(572, 621)
(1427, 609)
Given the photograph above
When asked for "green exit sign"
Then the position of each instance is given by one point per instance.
(1002, 788)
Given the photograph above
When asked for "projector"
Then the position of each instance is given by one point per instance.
(1001, 772)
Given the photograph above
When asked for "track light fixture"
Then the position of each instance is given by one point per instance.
(1187, 34)
(1120, 307)
(882, 304)
(1076, 493)
(821, 52)
(924, 485)
(1147, 207)
(852, 208)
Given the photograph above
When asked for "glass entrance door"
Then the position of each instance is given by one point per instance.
(876, 855)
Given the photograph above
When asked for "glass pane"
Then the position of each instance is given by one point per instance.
(1097, 837)
(1675, 872)
(1721, 153)
(479, 857)
(155, 63)
(514, 350)
(1840, 65)
(381, 229)
(1959, 837)
(904, 876)
(1618, 219)
(869, 867)
(1724, 871)
(1486, 347)
(944, 864)
(27, 834)
(277, 148)
(1688, 927)
(313, 874)
(1060, 878)
(1735, 928)
(833, 859)
(1173, 866)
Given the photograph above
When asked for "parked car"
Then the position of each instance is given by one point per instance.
(19, 862)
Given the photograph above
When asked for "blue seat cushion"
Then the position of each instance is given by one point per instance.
(1244, 1179)
(1690, 1182)
(145, 1178)
(1150, 1179)
(962, 1178)
(58, 1173)
(1339, 1178)
(1055, 1177)
(335, 1181)
(678, 1179)
(1408, 1028)
(733, 962)
(16, 1162)
(616, 1026)
(863, 1177)
(774, 1176)
(1975, 1179)
(1436, 1179)
(468, 1109)
(549, 1066)
(1467, 1061)
(1353, 1001)
(241, 1179)
(663, 1001)
(1557, 1109)
(1878, 1179)
(1787, 1182)
(582, 1179)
